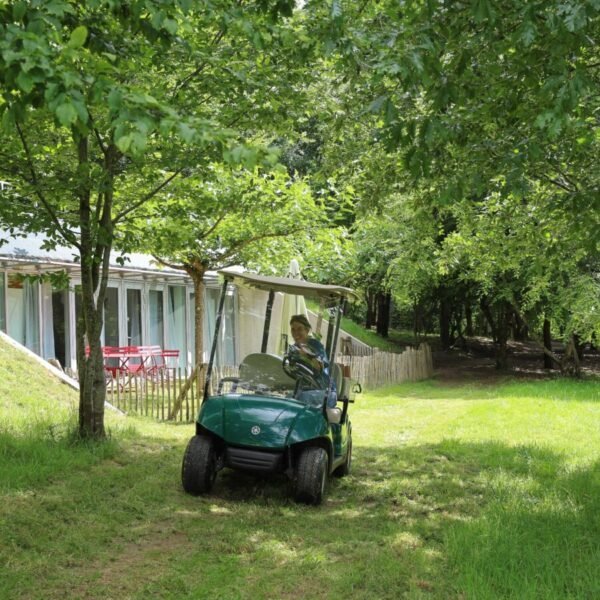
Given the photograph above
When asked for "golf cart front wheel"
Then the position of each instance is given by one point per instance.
(311, 475)
(199, 467)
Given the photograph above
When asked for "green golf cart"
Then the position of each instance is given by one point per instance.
(274, 415)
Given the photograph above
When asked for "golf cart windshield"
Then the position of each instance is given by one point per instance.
(268, 361)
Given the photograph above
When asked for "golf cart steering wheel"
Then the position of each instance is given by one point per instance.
(296, 367)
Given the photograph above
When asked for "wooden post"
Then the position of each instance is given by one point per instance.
(177, 404)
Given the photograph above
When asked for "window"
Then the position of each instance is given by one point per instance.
(134, 317)
(156, 317)
(226, 344)
(22, 303)
(176, 334)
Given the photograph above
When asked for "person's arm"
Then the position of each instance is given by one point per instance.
(317, 355)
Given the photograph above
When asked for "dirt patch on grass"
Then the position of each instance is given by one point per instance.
(475, 363)
(133, 565)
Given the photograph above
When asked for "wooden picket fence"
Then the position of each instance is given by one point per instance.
(383, 368)
(158, 396)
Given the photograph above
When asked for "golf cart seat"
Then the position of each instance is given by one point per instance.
(334, 414)
(264, 370)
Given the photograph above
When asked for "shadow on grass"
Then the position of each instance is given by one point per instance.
(447, 520)
(483, 519)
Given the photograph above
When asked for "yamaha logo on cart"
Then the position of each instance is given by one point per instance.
(255, 430)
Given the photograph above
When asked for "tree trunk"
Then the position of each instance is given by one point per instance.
(416, 320)
(383, 314)
(456, 330)
(196, 272)
(469, 318)
(500, 327)
(519, 328)
(92, 385)
(547, 341)
(502, 334)
(570, 362)
(445, 323)
(489, 318)
(371, 311)
(96, 243)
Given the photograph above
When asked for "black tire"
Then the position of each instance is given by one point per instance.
(345, 468)
(199, 467)
(311, 475)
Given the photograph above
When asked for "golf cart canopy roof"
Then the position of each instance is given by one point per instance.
(288, 285)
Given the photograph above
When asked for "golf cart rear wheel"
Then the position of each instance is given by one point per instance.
(199, 467)
(311, 475)
(344, 469)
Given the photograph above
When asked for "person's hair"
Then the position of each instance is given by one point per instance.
(300, 319)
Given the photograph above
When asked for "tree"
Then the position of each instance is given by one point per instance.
(105, 103)
(228, 217)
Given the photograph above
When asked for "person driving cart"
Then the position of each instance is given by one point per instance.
(313, 353)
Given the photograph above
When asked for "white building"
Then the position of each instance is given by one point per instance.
(145, 304)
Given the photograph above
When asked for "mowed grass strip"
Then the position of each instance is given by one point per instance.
(456, 492)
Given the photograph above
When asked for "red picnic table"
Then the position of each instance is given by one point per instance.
(136, 360)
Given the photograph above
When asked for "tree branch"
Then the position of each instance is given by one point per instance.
(243, 243)
(563, 186)
(535, 338)
(147, 197)
(100, 141)
(213, 227)
(166, 263)
(184, 82)
(66, 234)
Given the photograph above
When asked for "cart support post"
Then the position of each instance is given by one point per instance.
(268, 312)
(213, 349)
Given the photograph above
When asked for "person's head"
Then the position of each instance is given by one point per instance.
(300, 327)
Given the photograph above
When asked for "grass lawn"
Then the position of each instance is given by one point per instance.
(456, 492)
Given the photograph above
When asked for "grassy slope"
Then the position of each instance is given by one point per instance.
(397, 342)
(460, 492)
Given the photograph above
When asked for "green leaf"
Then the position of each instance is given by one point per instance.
(8, 120)
(78, 37)
(25, 82)
(19, 10)
(377, 104)
(336, 9)
(58, 8)
(187, 132)
(483, 10)
(66, 114)
(123, 143)
(138, 142)
(81, 110)
(575, 19)
(170, 25)
(528, 33)
(416, 60)
(391, 113)
(115, 99)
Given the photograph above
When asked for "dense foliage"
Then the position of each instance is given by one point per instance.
(470, 141)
